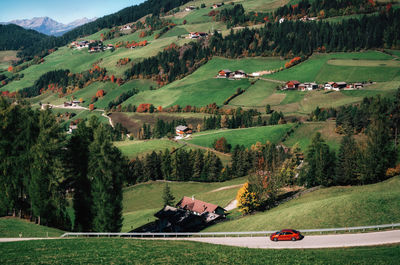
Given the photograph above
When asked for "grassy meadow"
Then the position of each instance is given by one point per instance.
(136, 251)
(202, 88)
(132, 149)
(6, 59)
(326, 208)
(245, 136)
(12, 227)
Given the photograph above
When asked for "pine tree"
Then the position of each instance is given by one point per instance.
(167, 197)
(77, 166)
(348, 169)
(106, 169)
(379, 154)
(320, 166)
(47, 176)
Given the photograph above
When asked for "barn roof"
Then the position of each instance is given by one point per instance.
(197, 205)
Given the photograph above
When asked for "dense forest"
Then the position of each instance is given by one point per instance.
(39, 166)
(286, 39)
(13, 37)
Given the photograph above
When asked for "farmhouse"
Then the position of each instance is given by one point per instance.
(224, 73)
(293, 84)
(216, 5)
(240, 74)
(199, 207)
(183, 131)
(126, 27)
(190, 8)
(281, 20)
(307, 86)
(196, 35)
(335, 86)
(188, 215)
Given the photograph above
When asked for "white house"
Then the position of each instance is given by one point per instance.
(239, 74)
(281, 20)
(126, 27)
(190, 8)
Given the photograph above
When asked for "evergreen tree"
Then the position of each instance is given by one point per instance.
(167, 197)
(46, 189)
(77, 158)
(106, 171)
(320, 166)
(348, 168)
(379, 154)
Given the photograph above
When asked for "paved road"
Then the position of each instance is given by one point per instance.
(14, 239)
(320, 241)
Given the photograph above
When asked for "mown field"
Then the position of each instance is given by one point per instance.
(324, 68)
(136, 148)
(326, 208)
(12, 227)
(134, 251)
(245, 136)
(202, 88)
(142, 201)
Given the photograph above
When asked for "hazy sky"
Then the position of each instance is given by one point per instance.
(64, 11)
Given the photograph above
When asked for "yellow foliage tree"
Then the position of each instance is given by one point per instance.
(247, 201)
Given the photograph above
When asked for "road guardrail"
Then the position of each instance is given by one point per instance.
(228, 234)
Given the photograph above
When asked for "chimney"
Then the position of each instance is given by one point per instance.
(192, 197)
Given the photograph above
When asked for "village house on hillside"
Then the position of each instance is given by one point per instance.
(224, 73)
(336, 86)
(292, 85)
(126, 27)
(307, 86)
(190, 8)
(183, 131)
(214, 6)
(188, 215)
(196, 35)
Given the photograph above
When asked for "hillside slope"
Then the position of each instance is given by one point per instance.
(326, 208)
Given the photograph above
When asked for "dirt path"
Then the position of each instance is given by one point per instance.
(232, 205)
(227, 188)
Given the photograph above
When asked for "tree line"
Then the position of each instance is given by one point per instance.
(178, 165)
(40, 166)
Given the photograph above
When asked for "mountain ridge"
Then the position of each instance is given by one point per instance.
(49, 26)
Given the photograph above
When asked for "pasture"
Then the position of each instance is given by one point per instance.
(326, 208)
(135, 251)
(13, 227)
(245, 136)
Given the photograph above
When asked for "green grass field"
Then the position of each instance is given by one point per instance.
(202, 88)
(142, 201)
(246, 136)
(135, 251)
(136, 148)
(327, 207)
(12, 227)
(320, 68)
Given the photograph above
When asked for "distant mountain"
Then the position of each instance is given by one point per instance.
(49, 26)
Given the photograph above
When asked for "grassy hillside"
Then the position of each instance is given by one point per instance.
(143, 200)
(303, 134)
(132, 149)
(202, 88)
(246, 136)
(124, 251)
(349, 67)
(12, 227)
(328, 207)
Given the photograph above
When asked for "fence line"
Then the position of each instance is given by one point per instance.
(213, 234)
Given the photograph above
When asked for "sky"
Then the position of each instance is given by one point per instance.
(63, 11)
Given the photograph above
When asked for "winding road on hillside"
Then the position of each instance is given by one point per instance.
(316, 241)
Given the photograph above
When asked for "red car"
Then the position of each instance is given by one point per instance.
(286, 234)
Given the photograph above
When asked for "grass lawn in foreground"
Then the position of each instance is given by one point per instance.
(135, 251)
(12, 227)
(327, 208)
(245, 136)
